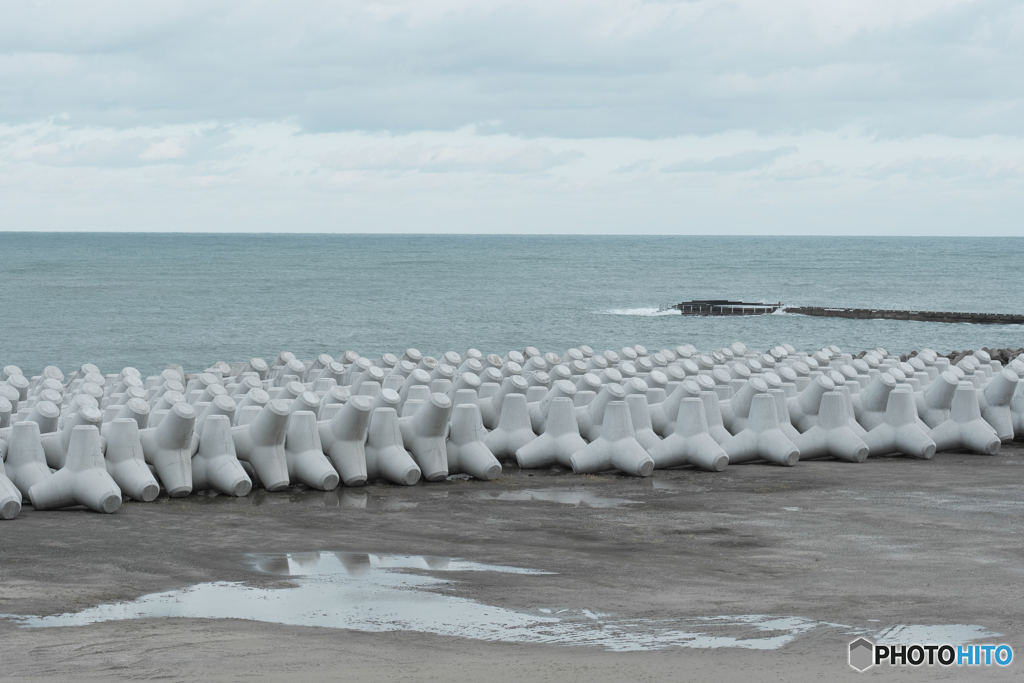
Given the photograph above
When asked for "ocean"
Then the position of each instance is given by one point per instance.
(147, 300)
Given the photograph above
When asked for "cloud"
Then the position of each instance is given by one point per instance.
(746, 160)
(277, 177)
(924, 167)
(109, 149)
(454, 159)
(562, 68)
(805, 171)
(638, 166)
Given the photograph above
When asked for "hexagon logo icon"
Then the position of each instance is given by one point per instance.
(862, 654)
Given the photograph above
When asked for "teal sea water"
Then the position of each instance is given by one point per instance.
(151, 299)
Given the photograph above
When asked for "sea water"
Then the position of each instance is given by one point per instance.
(151, 299)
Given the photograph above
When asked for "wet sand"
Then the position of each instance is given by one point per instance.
(894, 540)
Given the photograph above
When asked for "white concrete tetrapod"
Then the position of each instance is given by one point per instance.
(165, 401)
(1017, 407)
(590, 417)
(467, 450)
(307, 401)
(851, 418)
(424, 436)
(26, 461)
(466, 380)
(10, 496)
(46, 414)
(9, 371)
(635, 385)
(257, 365)
(490, 407)
(387, 398)
(335, 395)
(411, 406)
(55, 444)
(538, 411)
(386, 457)
(831, 436)
(965, 427)
(762, 439)
(6, 408)
(558, 441)
(260, 443)
(336, 372)
(713, 413)
(168, 448)
(935, 400)
(469, 364)
(221, 405)
(640, 414)
(136, 409)
(588, 382)
(253, 398)
(663, 415)
(321, 385)
(418, 377)
(994, 401)
(513, 430)
(126, 463)
(900, 431)
(511, 368)
(215, 466)
(83, 479)
(343, 438)
(782, 410)
(690, 443)
(538, 379)
(465, 396)
(656, 395)
(304, 452)
(615, 448)
(869, 405)
(803, 408)
(736, 410)
(583, 398)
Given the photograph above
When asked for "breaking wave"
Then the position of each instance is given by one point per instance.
(639, 311)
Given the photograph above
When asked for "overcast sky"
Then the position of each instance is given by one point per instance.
(597, 116)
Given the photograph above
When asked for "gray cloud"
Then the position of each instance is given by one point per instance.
(548, 69)
(116, 152)
(919, 167)
(454, 159)
(747, 160)
(638, 166)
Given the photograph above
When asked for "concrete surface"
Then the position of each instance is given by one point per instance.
(896, 540)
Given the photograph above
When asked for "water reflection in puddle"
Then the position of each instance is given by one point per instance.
(570, 497)
(339, 497)
(377, 593)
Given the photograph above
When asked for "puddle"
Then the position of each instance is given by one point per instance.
(673, 485)
(378, 593)
(339, 497)
(572, 497)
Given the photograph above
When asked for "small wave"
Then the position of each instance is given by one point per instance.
(781, 310)
(639, 311)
